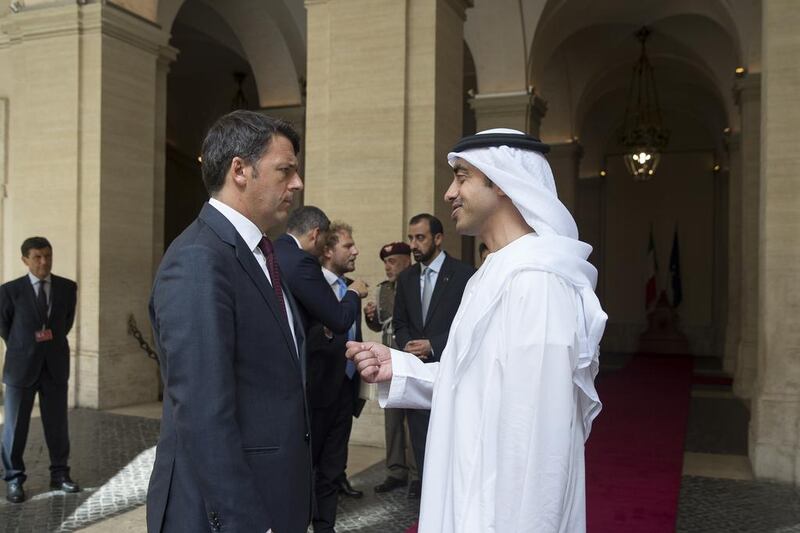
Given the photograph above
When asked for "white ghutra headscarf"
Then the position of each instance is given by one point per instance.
(524, 175)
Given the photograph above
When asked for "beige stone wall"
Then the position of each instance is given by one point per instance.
(750, 97)
(774, 430)
(82, 172)
(384, 106)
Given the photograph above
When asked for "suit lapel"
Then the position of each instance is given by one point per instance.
(31, 291)
(442, 280)
(299, 330)
(250, 265)
(227, 233)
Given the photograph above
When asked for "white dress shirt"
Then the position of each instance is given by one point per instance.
(434, 267)
(252, 237)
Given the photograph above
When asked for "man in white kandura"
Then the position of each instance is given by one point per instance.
(513, 397)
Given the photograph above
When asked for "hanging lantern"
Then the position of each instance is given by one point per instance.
(643, 134)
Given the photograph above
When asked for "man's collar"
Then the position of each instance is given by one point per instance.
(436, 264)
(330, 277)
(35, 280)
(244, 226)
(296, 240)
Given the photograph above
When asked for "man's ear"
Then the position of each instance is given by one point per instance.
(237, 171)
(438, 238)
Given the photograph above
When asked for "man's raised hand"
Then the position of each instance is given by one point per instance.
(360, 287)
(373, 360)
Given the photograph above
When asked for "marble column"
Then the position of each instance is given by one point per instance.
(4, 223)
(734, 211)
(774, 426)
(388, 75)
(748, 91)
(83, 172)
(565, 161)
(520, 110)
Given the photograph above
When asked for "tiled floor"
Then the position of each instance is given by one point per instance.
(113, 453)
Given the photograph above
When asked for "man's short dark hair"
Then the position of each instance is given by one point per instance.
(244, 134)
(34, 243)
(306, 218)
(434, 223)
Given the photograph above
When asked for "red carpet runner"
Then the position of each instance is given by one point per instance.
(634, 456)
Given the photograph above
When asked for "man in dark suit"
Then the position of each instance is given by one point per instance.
(427, 297)
(36, 314)
(299, 251)
(333, 383)
(234, 452)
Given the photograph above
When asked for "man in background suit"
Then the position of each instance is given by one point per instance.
(400, 464)
(299, 252)
(333, 383)
(36, 314)
(427, 298)
(234, 452)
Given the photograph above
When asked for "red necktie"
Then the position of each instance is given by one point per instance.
(274, 272)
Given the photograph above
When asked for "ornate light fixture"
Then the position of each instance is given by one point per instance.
(239, 99)
(643, 133)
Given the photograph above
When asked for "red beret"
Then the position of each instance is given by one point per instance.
(395, 248)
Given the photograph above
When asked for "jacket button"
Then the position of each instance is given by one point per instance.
(307, 437)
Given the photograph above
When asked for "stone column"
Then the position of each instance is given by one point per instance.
(774, 432)
(565, 161)
(734, 208)
(748, 93)
(520, 110)
(4, 223)
(82, 173)
(383, 74)
(590, 215)
(167, 55)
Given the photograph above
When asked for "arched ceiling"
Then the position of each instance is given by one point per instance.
(581, 55)
(272, 37)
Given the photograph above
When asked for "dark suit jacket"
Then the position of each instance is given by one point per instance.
(326, 367)
(234, 450)
(446, 297)
(303, 274)
(19, 320)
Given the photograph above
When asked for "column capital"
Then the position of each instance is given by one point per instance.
(522, 110)
(461, 6)
(510, 101)
(56, 20)
(565, 150)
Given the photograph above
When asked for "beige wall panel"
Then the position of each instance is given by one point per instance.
(774, 450)
(126, 227)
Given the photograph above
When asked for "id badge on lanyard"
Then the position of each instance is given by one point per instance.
(45, 334)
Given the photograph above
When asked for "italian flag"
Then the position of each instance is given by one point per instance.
(650, 289)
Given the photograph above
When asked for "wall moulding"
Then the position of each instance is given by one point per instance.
(73, 20)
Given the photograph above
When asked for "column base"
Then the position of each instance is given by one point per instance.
(773, 438)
